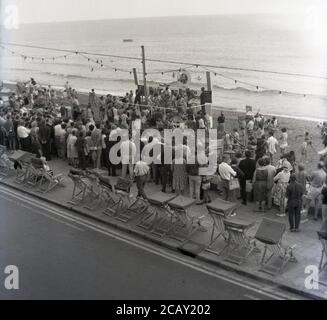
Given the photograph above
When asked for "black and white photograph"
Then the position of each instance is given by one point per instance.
(163, 150)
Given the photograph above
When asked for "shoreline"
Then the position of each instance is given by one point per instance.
(216, 107)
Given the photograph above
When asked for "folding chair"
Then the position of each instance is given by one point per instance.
(184, 225)
(80, 187)
(239, 244)
(270, 233)
(135, 209)
(94, 189)
(218, 211)
(323, 239)
(130, 207)
(122, 192)
(34, 172)
(21, 172)
(107, 194)
(158, 218)
(48, 181)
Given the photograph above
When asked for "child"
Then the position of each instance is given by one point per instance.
(236, 139)
(228, 142)
(283, 141)
(206, 187)
(304, 147)
(46, 167)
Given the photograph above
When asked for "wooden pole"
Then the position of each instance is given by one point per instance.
(144, 76)
(208, 81)
(135, 77)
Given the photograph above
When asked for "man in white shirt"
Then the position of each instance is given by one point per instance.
(128, 153)
(226, 173)
(23, 134)
(272, 143)
(250, 127)
(60, 133)
(141, 172)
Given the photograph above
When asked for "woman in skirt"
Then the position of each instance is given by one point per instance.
(279, 193)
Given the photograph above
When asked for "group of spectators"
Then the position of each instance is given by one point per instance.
(37, 120)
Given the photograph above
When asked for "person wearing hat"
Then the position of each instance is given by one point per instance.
(294, 193)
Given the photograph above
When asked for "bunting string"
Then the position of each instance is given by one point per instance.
(95, 59)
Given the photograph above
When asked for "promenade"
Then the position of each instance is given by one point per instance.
(307, 250)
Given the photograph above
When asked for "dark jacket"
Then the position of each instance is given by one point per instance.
(239, 172)
(80, 144)
(294, 193)
(192, 169)
(44, 133)
(248, 167)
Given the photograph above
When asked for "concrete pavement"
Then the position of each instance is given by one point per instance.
(307, 252)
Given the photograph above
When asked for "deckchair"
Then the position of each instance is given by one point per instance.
(49, 181)
(80, 187)
(158, 218)
(123, 196)
(34, 172)
(94, 190)
(185, 224)
(219, 210)
(270, 233)
(107, 194)
(22, 171)
(239, 244)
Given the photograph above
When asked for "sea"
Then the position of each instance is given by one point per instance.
(277, 43)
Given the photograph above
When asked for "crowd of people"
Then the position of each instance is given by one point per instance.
(256, 162)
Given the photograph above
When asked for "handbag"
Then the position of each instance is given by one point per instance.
(205, 185)
(233, 184)
(248, 186)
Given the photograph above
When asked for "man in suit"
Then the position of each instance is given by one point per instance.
(294, 193)
(45, 139)
(248, 167)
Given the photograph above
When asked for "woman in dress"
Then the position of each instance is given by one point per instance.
(279, 194)
(260, 185)
(283, 141)
(179, 173)
(72, 153)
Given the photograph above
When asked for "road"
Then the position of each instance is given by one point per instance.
(60, 255)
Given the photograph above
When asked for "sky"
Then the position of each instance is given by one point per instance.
(28, 11)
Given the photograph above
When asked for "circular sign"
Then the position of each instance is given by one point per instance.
(184, 77)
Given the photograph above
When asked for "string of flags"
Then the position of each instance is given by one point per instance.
(96, 62)
(99, 63)
(35, 58)
(252, 85)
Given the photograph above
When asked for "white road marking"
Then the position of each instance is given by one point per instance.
(42, 213)
(193, 264)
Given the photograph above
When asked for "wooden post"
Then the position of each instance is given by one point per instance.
(208, 81)
(135, 77)
(144, 76)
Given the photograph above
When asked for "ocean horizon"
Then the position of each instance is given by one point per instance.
(267, 42)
